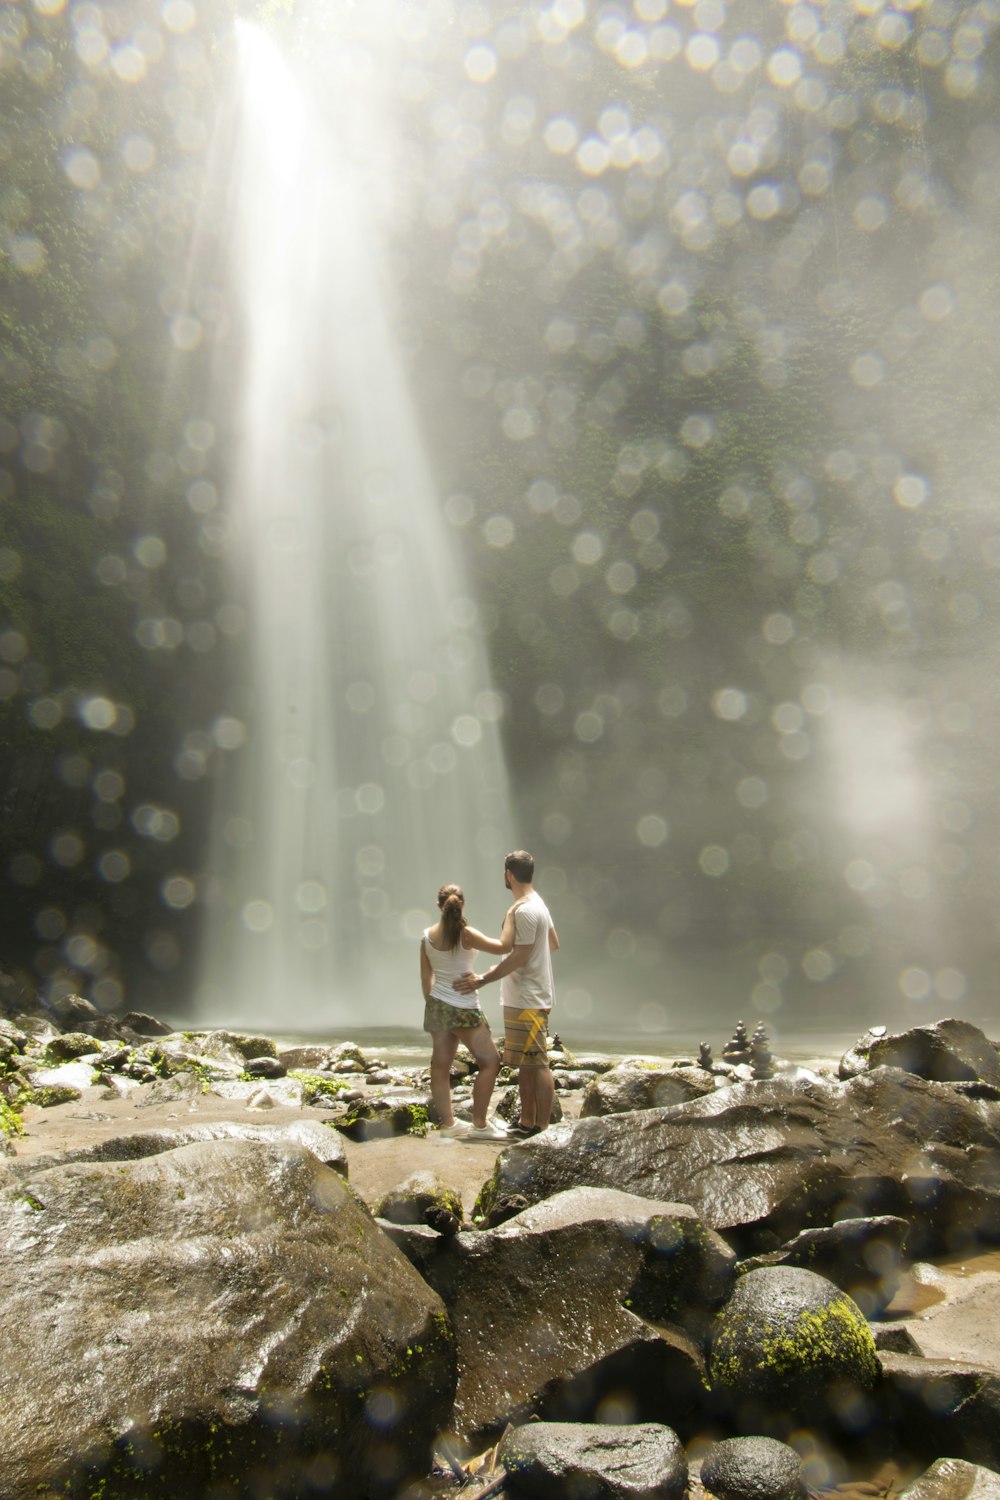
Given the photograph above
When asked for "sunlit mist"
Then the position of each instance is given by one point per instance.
(372, 771)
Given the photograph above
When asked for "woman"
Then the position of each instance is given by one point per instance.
(451, 1018)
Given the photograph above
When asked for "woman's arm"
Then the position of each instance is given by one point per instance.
(471, 938)
(426, 972)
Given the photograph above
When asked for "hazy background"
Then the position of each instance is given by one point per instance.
(698, 311)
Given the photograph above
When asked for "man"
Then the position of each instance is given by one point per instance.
(526, 994)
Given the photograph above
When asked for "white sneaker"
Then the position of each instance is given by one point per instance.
(456, 1131)
(493, 1130)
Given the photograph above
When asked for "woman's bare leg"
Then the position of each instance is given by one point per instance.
(444, 1045)
(483, 1048)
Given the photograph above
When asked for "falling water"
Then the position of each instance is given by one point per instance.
(372, 770)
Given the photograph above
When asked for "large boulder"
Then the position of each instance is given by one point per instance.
(589, 1297)
(626, 1089)
(325, 1144)
(787, 1346)
(947, 1052)
(760, 1161)
(937, 1406)
(864, 1257)
(223, 1318)
(586, 1461)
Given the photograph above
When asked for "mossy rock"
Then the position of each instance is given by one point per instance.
(379, 1116)
(420, 1194)
(49, 1094)
(70, 1045)
(789, 1344)
(319, 1088)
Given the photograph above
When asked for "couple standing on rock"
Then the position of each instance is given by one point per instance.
(452, 1015)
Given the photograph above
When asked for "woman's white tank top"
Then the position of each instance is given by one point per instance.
(448, 964)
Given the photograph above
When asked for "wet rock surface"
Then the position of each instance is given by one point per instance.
(954, 1479)
(942, 1407)
(864, 1257)
(582, 1461)
(568, 1302)
(213, 1315)
(753, 1468)
(789, 1347)
(626, 1089)
(421, 1194)
(760, 1161)
(948, 1052)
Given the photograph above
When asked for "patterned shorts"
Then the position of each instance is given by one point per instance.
(440, 1016)
(524, 1033)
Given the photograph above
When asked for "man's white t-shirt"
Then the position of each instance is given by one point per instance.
(531, 986)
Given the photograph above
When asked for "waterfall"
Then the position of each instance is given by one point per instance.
(371, 769)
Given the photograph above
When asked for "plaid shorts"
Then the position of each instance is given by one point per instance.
(440, 1016)
(524, 1033)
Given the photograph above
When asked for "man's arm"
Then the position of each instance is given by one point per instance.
(553, 940)
(516, 959)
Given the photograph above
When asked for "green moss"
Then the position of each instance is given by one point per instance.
(821, 1340)
(316, 1088)
(10, 1121)
(47, 1096)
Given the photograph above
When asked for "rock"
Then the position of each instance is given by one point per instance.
(588, 1461)
(278, 1090)
(347, 1057)
(324, 1143)
(947, 1052)
(753, 1468)
(894, 1338)
(855, 1059)
(953, 1479)
(73, 1013)
(761, 1161)
(863, 1257)
(964, 1316)
(73, 1075)
(567, 1081)
(48, 1095)
(265, 1067)
(379, 1116)
(942, 1406)
(644, 1088)
(582, 1299)
(223, 1318)
(234, 1046)
(509, 1107)
(410, 1202)
(70, 1045)
(310, 1059)
(13, 1035)
(144, 1025)
(787, 1346)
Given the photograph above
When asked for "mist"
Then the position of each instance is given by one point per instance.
(603, 396)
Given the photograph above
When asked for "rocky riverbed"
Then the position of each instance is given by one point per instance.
(233, 1269)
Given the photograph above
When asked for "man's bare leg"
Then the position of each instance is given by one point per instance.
(444, 1046)
(537, 1089)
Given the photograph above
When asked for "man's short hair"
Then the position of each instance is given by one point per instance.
(521, 865)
